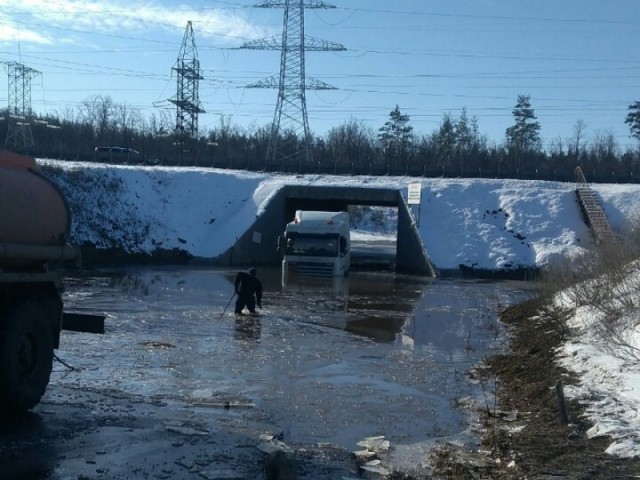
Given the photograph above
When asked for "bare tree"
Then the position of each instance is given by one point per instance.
(579, 129)
(99, 112)
(604, 146)
(352, 145)
(556, 147)
(160, 125)
(128, 121)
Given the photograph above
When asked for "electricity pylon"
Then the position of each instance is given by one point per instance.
(187, 98)
(290, 121)
(19, 111)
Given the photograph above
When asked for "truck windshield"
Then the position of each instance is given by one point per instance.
(312, 245)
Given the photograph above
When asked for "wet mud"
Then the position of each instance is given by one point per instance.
(524, 435)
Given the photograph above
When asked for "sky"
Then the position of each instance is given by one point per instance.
(577, 59)
(483, 222)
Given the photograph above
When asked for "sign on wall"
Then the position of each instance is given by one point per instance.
(413, 197)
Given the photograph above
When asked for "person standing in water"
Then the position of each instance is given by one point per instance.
(249, 291)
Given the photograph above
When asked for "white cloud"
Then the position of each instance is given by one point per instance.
(25, 20)
(15, 33)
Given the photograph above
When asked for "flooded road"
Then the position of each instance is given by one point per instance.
(179, 387)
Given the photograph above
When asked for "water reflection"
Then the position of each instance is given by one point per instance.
(382, 306)
(387, 307)
(379, 352)
(375, 305)
(247, 328)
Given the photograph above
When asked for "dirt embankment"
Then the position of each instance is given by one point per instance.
(524, 436)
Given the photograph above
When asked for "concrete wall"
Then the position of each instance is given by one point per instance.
(258, 245)
(411, 256)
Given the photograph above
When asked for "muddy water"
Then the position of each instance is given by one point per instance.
(325, 362)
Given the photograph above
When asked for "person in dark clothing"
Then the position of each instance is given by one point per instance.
(249, 291)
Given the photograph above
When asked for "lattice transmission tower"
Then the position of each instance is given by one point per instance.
(19, 132)
(290, 139)
(187, 98)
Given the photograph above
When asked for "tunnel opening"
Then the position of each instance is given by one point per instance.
(373, 222)
(374, 236)
(261, 243)
(373, 229)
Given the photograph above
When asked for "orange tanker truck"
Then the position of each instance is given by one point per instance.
(34, 230)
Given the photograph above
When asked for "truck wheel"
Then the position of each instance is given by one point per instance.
(26, 357)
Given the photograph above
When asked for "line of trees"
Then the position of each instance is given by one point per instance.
(455, 149)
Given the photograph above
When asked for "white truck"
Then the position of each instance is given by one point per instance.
(316, 244)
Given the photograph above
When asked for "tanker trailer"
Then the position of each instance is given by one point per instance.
(34, 228)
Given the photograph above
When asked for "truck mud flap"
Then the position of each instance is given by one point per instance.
(82, 322)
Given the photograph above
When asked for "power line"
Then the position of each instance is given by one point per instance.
(599, 21)
(187, 98)
(290, 120)
(19, 109)
(612, 68)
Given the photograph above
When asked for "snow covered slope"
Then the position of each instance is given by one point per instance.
(484, 223)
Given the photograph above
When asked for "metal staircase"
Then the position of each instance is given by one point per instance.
(596, 218)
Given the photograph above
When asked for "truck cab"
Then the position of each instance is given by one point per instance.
(316, 244)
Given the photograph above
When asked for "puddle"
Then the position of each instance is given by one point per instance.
(374, 354)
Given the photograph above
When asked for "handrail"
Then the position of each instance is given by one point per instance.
(595, 214)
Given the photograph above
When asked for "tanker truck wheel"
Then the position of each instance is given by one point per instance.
(26, 357)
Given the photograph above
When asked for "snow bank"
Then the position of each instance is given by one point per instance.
(483, 223)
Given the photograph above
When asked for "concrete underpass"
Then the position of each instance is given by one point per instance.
(258, 246)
